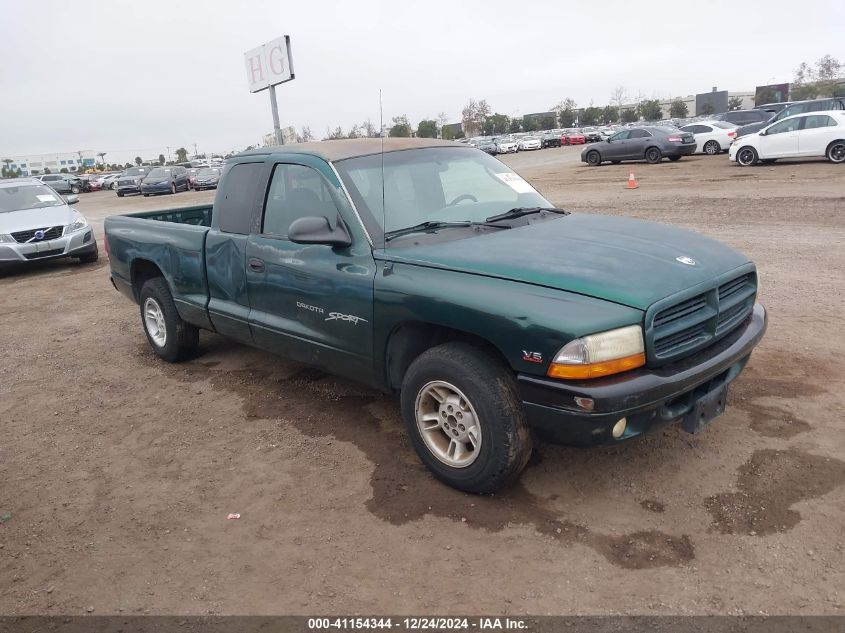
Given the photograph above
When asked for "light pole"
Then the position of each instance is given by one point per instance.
(168, 154)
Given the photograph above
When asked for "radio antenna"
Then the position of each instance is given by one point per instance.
(381, 134)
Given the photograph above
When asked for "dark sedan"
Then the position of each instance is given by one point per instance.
(165, 180)
(651, 143)
(206, 178)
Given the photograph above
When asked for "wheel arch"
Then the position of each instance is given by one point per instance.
(409, 339)
(141, 271)
(833, 142)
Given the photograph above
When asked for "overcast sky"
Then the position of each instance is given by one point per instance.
(130, 78)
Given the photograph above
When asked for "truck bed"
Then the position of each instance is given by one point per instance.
(172, 241)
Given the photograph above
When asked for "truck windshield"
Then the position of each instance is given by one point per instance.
(28, 196)
(436, 184)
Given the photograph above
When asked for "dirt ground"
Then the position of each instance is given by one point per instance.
(119, 470)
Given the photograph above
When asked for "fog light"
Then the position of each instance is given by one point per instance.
(619, 428)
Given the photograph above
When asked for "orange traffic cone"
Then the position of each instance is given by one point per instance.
(632, 182)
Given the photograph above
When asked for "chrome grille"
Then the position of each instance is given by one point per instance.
(675, 329)
(50, 233)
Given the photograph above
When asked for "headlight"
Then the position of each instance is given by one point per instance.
(7, 239)
(77, 225)
(600, 354)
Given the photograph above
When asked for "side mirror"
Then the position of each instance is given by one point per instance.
(72, 199)
(318, 230)
(608, 139)
(762, 132)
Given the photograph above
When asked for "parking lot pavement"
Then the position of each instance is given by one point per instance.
(119, 470)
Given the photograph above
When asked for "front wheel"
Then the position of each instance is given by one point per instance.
(593, 158)
(74, 189)
(653, 155)
(173, 188)
(712, 148)
(836, 152)
(463, 416)
(747, 156)
(170, 337)
(119, 194)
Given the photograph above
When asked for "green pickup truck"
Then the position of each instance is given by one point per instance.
(430, 269)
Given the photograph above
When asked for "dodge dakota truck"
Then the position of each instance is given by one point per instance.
(430, 269)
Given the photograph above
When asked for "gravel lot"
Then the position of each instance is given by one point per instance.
(118, 470)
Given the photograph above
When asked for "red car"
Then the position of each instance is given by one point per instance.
(573, 138)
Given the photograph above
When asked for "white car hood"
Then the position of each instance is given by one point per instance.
(28, 219)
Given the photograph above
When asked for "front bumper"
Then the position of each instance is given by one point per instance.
(129, 189)
(159, 187)
(72, 245)
(647, 398)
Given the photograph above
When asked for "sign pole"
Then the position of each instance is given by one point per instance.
(274, 108)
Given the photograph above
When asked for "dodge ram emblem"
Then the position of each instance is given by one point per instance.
(689, 261)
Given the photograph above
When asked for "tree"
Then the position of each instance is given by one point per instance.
(401, 127)
(566, 104)
(548, 122)
(497, 124)
(161, 160)
(566, 117)
(446, 133)
(515, 126)
(678, 109)
(102, 156)
(610, 114)
(47, 170)
(818, 80)
(474, 115)
(649, 110)
(335, 134)
(530, 123)
(427, 128)
(707, 109)
(442, 120)
(629, 115)
(355, 132)
(735, 103)
(619, 96)
(590, 116)
(63, 170)
(138, 161)
(304, 135)
(181, 155)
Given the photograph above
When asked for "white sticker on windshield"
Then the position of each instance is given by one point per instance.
(516, 182)
(46, 198)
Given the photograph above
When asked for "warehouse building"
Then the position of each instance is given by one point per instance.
(38, 164)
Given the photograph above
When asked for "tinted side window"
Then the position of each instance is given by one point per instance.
(620, 136)
(639, 134)
(295, 192)
(818, 120)
(785, 126)
(235, 204)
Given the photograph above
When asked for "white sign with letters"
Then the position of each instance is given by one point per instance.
(269, 64)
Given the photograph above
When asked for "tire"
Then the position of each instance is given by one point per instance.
(674, 159)
(711, 148)
(616, 162)
(593, 158)
(653, 155)
(836, 152)
(119, 194)
(169, 336)
(146, 195)
(172, 188)
(747, 156)
(481, 388)
(74, 189)
(90, 258)
(768, 161)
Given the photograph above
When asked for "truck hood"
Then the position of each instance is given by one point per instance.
(627, 261)
(28, 219)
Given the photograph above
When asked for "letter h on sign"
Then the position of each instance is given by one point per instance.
(269, 65)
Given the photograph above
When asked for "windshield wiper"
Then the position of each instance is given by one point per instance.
(430, 225)
(518, 212)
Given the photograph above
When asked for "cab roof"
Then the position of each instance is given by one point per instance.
(351, 148)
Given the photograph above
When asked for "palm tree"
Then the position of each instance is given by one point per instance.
(181, 155)
(102, 156)
(138, 161)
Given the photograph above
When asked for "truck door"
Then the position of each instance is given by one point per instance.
(310, 302)
(235, 210)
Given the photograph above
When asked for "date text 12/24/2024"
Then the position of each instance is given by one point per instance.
(418, 624)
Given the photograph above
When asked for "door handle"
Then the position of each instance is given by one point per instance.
(256, 265)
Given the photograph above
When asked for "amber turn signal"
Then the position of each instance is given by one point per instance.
(595, 370)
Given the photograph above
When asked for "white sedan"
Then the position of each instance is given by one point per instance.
(506, 145)
(529, 142)
(711, 137)
(800, 136)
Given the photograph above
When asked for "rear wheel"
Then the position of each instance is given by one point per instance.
(653, 155)
(173, 188)
(746, 156)
(712, 148)
(170, 337)
(463, 416)
(74, 189)
(836, 152)
(593, 158)
(119, 194)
